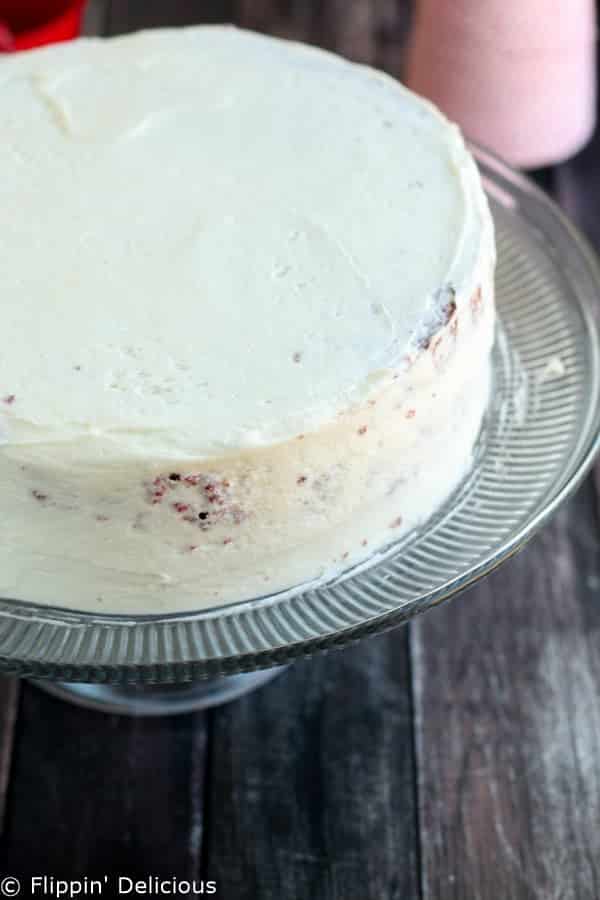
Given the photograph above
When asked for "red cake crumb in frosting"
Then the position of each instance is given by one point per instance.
(207, 499)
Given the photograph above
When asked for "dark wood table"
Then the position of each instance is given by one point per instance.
(456, 758)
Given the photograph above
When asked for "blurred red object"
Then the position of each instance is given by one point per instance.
(32, 23)
(7, 39)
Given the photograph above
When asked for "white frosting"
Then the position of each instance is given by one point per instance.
(213, 242)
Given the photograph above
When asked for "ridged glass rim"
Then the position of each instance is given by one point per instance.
(83, 646)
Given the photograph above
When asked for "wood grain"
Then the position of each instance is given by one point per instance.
(92, 794)
(9, 704)
(508, 725)
(312, 782)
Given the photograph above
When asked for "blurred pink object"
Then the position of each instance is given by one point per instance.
(518, 76)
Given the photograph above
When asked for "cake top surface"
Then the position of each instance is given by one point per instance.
(213, 239)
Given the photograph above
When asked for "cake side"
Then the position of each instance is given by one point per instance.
(172, 534)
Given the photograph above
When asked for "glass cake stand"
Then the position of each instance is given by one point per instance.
(539, 438)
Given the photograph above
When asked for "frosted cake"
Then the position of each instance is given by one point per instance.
(247, 313)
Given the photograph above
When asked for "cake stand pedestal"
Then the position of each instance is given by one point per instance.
(159, 699)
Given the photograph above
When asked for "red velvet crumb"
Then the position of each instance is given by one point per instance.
(227, 540)
(411, 413)
(396, 523)
(9, 399)
(181, 507)
(362, 429)
(301, 479)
